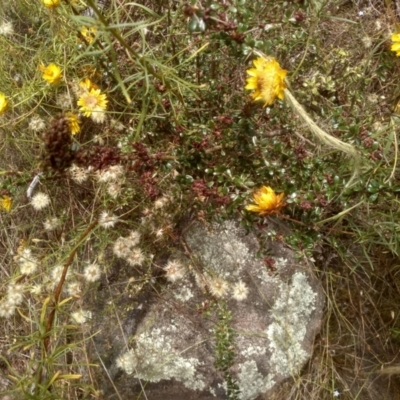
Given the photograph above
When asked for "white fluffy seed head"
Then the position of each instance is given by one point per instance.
(6, 29)
(161, 202)
(40, 200)
(107, 220)
(98, 115)
(56, 274)
(240, 291)
(37, 124)
(7, 309)
(78, 174)
(92, 272)
(28, 266)
(127, 362)
(135, 257)
(51, 224)
(122, 247)
(174, 270)
(74, 288)
(15, 294)
(64, 101)
(111, 174)
(218, 287)
(114, 189)
(134, 238)
(36, 290)
(81, 316)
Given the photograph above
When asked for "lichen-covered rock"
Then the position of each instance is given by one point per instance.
(227, 325)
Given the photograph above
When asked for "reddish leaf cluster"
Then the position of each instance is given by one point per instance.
(98, 157)
(203, 192)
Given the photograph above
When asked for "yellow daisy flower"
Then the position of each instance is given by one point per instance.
(396, 43)
(267, 79)
(51, 73)
(89, 33)
(5, 203)
(93, 103)
(86, 85)
(51, 3)
(74, 123)
(3, 103)
(267, 202)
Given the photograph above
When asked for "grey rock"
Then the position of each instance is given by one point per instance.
(171, 350)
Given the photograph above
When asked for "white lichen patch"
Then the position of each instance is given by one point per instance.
(183, 294)
(222, 249)
(253, 350)
(251, 382)
(291, 314)
(154, 358)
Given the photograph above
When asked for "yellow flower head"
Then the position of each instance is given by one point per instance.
(3, 103)
(267, 79)
(51, 73)
(86, 85)
(396, 43)
(92, 101)
(267, 202)
(5, 203)
(73, 121)
(51, 3)
(89, 33)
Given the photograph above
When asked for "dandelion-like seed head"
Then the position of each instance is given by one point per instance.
(7, 309)
(27, 262)
(52, 74)
(29, 266)
(78, 174)
(98, 115)
(134, 238)
(200, 280)
(367, 42)
(92, 272)
(107, 220)
(160, 232)
(267, 80)
(135, 257)
(161, 202)
(56, 274)
(122, 247)
(110, 174)
(74, 288)
(15, 294)
(174, 270)
(36, 290)
(114, 189)
(267, 201)
(64, 101)
(81, 316)
(127, 362)
(37, 124)
(51, 224)
(240, 291)
(218, 287)
(6, 29)
(40, 200)
(3, 103)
